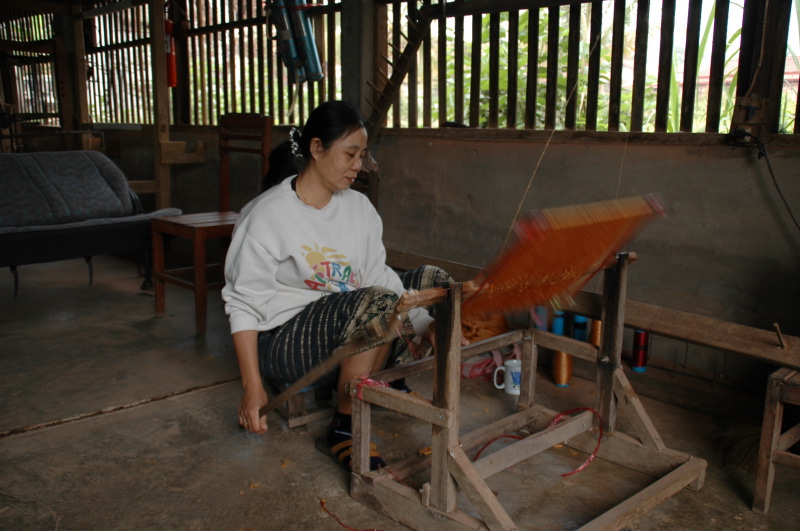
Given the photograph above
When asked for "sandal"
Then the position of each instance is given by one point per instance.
(342, 453)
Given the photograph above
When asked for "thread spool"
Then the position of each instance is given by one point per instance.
(562, 368)
(596, 332)
(580, 328)
(540, 313)
(557, 326)
(562, 362)
(641, 348)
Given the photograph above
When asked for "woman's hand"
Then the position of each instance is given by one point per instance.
(430, 337)
(253, 399)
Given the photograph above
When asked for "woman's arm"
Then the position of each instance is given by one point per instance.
(254, 397)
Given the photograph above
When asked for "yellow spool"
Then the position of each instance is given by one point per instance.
(562, 368)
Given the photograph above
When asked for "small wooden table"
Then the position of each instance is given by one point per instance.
(199, 228)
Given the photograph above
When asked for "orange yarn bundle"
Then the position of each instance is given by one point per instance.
(557, 251)
(479, 327)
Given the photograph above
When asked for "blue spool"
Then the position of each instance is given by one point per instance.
(580, 328)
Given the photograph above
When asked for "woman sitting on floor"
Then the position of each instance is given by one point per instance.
(306, 273)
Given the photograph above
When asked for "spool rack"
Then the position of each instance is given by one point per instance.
(434, 505)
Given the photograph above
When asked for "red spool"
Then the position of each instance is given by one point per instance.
(641, 348)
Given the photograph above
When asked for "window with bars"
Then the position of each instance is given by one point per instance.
(119, 67)
(32, 74)
(615, 65)
(634, 65)
(234, 65)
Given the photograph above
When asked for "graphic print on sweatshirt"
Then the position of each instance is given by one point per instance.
(330, 270)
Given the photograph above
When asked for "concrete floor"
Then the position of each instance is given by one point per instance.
(113, 419)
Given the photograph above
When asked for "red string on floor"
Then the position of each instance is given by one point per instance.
(560, 416)
(553, 422)
(322, 504)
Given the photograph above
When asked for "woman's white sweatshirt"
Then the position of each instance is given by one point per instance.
(285, 254)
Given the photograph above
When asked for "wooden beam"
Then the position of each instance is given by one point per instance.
(29, 46)
(38, 6)
(407, 261)
(476, 7)
(700, 330)
(631, 408)
(478, 492)
(534, 444)
(628, 511)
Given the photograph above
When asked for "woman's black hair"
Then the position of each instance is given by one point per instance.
(329, 122)
(281, 165)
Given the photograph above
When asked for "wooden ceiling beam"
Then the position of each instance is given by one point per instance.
(39, 6)
(32, 46)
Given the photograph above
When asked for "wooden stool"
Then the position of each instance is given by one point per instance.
(240, 132)
(199, 228)
(783, 387)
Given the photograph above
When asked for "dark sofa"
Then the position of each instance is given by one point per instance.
(68, 204)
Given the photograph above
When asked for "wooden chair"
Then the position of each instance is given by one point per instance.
(240, 132)
(783, 388)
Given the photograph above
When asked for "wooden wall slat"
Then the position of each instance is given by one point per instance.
(494, 69)
(396, 47)
(796, 129)
(475, 72)
(617, 50)
(513, 68)
(458, 89)
(441, 53)
(413, 104)
(330, 22)
(280, 96)
(532, 82)
(552, 68)
(593, 74)
(427, 77)
(665, 65)
(690, 65)
(262, 69)
(716, 81)
(640, 64)
(573, 54)
(212, 66)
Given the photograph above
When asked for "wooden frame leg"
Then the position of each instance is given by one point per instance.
(610, 354)
(159, 286)
(770, 435)
(200, 285)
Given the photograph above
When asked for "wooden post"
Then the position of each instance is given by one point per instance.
(610, 355)
(446, 388)
(358, 25)
(79, 54)
(361, 429)
(161, 171)
(529, 362)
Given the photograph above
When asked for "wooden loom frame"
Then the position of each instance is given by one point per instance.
(435, 504)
